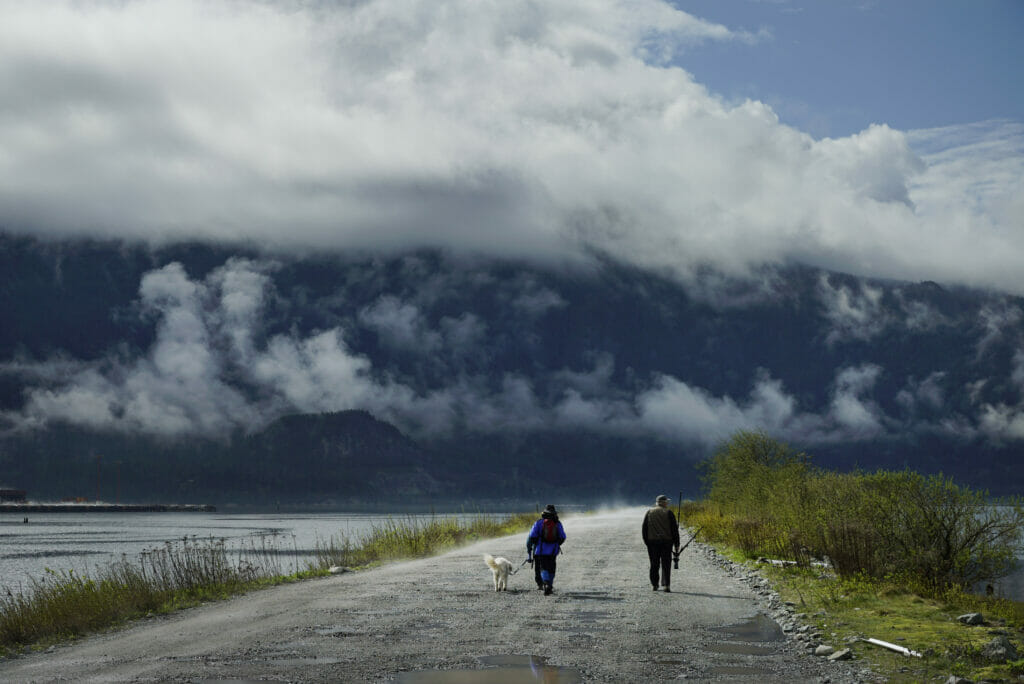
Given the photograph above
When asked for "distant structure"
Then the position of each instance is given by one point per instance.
(8, 495)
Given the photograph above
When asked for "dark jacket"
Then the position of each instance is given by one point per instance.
(538, 547)
(660, 526)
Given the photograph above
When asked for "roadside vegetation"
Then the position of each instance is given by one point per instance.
(892, 555)
(63, 605)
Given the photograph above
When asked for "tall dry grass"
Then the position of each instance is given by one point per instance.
(63, 604)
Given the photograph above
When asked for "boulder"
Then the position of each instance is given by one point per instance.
(999, 650)
(841, 654)
(971, 619)
(824, 650)
(953, 679)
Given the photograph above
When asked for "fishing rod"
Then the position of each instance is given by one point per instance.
(679, 513)
(675, 554)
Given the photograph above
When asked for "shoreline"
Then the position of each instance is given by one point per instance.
(105, 508)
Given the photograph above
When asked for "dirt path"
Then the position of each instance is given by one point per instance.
(408, 620)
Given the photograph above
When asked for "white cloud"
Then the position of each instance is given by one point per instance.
(1002, 421)
(544, 130)
(859, 416)
(213, 369)
(856, 313)
(400, 325)
(997, 320)
(927, 394)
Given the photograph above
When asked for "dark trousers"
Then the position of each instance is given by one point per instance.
(660, 554)
(541, 563)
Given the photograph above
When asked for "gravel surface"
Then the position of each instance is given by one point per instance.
(439, 620)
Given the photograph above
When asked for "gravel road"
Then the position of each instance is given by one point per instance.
(439, 620)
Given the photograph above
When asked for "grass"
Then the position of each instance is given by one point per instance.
(64, 605)
(886, 609)
(414, 538)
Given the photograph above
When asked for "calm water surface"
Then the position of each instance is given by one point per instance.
(84, 542)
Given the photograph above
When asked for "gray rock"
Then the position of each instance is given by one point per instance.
(971, 618)
(841, 654)
(824, 650)
(953, 679)
(999, 650)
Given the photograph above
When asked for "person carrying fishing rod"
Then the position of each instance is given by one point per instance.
(661, 535)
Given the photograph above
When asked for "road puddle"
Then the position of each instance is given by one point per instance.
(508, 669)
(759, 628)
(296, 662)
(740, 649)
(744, 639)
(241, 681)
(592, 596)
(337, 632)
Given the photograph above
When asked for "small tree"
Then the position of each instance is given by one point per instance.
(762, 482)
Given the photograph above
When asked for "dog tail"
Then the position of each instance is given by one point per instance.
(489, 559)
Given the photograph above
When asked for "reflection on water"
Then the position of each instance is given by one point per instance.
(1011, 586)
(85, 542)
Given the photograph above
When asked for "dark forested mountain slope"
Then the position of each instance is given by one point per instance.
(225, 372)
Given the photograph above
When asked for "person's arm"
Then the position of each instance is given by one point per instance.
(643, 530)
(531, 540)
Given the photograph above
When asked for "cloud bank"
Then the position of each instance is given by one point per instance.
(214, 368)
(544, 130)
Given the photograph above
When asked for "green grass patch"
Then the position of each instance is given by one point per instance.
(64, 605)
(863, 607)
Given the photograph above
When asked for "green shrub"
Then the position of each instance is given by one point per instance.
(765, 498)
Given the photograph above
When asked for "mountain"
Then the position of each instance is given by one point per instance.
(222, 372)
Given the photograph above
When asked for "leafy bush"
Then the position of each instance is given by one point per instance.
(767, 499)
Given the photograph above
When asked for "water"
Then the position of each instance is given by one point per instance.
(1011, 586)
(84, 542)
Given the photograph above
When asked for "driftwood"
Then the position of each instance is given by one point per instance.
(788, 563)
(893, 647)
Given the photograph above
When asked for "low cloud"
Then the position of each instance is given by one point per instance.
(534, 130)
(214, 368)
(399, 325)
(854, 311)
(1004, 421)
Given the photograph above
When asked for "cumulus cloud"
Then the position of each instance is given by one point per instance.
(541, 130)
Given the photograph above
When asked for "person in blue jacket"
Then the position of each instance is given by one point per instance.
(543, 545)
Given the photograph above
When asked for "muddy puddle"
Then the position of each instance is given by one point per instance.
(749, 638)
(759, 628)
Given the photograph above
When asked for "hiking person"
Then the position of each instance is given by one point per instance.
(543, 545)
(661, 534)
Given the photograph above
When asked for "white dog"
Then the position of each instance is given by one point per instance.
(500, 567)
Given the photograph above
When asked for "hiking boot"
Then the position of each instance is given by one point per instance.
(667, 590)
(548, 589)
(655, 587)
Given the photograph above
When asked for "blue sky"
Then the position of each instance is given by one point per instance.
(831, 68)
